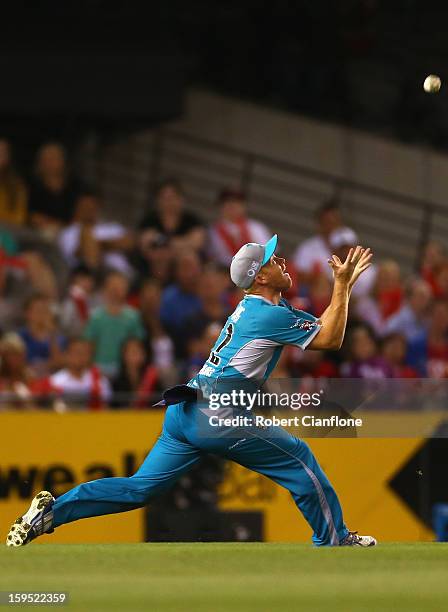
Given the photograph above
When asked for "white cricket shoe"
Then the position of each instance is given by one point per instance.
(37, 520)
(353, 539)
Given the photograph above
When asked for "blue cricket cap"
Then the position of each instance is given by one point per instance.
(249, 260)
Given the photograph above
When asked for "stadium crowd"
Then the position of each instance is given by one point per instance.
(94, 314)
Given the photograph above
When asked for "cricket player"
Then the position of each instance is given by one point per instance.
(248, 348)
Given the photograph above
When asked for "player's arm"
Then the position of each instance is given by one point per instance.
(334, 319)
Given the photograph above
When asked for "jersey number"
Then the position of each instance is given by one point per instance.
(214, 359)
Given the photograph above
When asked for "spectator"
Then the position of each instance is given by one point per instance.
(34, 270)
(433, 259)
(80, 382)
(180, 301)
(233, 227)
(314, 364)
(9, 249)
(160, 343)
(199, 348)
(170, 220)
(428, 351)
(319, 294)
(53, 190)
(412, 318)
(10, 302)
(388, 289)
(442, 281)
(393, 351)
(138, 379)
(111, 324)
(21, 275)
(385, 298)
(12, 267)
(214, 306)
(364, 360)
(437, 344)
(79, 301)
(13, 192)
(155, 257)
(16, 379)
(282, 369)
(43, 342)
(93, 242)
(341, 241)
(28, 266)
(311, 257)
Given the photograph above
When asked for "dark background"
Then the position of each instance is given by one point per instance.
(359, 62)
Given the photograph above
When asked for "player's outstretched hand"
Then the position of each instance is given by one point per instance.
(357, 260)
(365, 261)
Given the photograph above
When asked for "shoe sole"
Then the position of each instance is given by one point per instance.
(20, 529)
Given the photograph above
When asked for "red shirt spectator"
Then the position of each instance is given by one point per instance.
(432, 260)
(80, 382)
(234, 228)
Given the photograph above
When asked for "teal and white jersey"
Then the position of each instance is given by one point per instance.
(252, 339)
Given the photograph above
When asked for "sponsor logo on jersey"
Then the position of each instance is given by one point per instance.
(304, 324)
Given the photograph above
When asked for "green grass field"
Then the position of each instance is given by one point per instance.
(233, 577)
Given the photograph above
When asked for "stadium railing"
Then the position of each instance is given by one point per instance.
(286, 194)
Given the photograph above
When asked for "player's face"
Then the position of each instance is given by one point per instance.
(276, 275)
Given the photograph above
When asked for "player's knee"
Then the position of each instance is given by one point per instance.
(312, 490)
(305, 454)
(145, 486)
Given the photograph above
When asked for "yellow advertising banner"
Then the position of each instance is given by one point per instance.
(42, 450)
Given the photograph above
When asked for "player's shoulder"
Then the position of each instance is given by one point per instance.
(268, 313)
(250, 314)
(285, 316)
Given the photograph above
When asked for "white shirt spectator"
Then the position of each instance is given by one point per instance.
(69, 240)
(82, 388)
(312, 255)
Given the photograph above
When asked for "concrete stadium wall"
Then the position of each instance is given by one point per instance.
(126, 167)
(347, 153)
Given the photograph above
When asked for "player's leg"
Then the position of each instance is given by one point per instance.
(167, 461)
(277, 454)
(290, 462)
(169, 458)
